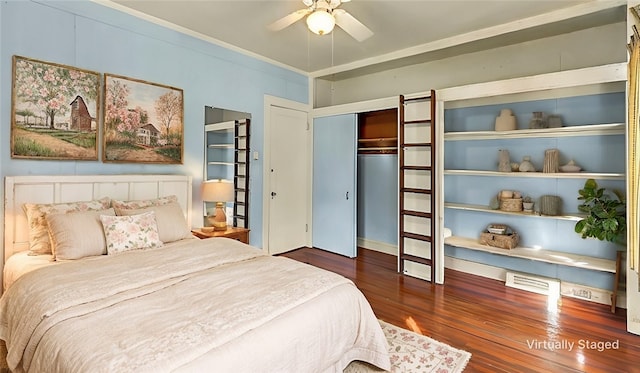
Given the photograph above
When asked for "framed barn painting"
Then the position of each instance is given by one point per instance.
(143, 122)
(54, 111)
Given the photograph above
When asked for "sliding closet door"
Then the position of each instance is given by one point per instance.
(334, 184)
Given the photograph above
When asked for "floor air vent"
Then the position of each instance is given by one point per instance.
(535, 284)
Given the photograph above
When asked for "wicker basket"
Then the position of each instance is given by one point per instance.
(510, 204)
(502, 241)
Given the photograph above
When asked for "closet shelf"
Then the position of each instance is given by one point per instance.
(221, 146)
(554, 257)
(570, 131)
(559, 175)
(480, 208)
(381, 145)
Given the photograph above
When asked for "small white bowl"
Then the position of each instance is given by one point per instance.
(570, 168)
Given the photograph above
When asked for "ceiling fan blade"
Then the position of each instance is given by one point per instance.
(288, 20)
(351, 25)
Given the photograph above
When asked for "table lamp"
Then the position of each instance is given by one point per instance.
(220, 192)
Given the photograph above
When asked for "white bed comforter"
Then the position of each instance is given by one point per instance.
(211, 305)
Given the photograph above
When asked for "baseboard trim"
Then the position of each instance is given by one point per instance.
(567, 289)
(380, 246)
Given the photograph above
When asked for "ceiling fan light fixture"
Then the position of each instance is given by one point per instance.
(321, 22)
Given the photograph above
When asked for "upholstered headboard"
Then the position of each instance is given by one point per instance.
(60, 188)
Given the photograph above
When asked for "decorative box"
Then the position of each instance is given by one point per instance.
(502, 241)
(511, 204)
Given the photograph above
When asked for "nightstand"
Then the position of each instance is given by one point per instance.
(240, 234)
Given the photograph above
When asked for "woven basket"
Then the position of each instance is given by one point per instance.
(502, 241)
(510, 204)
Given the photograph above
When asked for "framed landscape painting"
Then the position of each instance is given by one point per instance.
(54, 111)
(143, 122)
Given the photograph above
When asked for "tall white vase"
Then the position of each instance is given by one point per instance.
(504, 160)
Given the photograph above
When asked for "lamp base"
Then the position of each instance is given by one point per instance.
(219, 220)
(207, 229)
(217, 226)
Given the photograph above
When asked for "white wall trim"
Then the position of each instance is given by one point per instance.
(357, 107)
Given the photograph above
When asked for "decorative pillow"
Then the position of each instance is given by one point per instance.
(124, 233)
(172, 226)
(142, 203)
(39, 243)
(77, 234)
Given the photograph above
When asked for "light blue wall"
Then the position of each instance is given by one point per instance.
(90, 36)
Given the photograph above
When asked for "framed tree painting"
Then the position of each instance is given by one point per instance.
(143, 122)
(54, 111)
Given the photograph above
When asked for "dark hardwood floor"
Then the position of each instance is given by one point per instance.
(505, 329)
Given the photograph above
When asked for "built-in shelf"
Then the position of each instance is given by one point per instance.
(585, 130)
(554, 257)
(221, 146)
(480, 208)
(558, 175)
(220, 163)
(378, 145)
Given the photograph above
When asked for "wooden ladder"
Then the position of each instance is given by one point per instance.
(418, 137)
(241, 173)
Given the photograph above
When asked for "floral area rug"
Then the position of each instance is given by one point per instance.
(412, 352)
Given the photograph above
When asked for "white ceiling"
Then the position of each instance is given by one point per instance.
(424, 28)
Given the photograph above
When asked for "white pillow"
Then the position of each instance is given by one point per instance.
(172, 226)
(124, 233)
(77, 234)
(39, 243)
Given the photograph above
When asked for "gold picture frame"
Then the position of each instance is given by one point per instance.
(54, 111)
(143, 122)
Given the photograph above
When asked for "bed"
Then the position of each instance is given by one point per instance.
(179, 304)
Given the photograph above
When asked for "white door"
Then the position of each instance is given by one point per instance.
(334, 184)
(287, 186)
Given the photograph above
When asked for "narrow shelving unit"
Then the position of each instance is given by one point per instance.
(591, 103)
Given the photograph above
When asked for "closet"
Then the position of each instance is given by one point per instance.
(355, 184)
(356, 190)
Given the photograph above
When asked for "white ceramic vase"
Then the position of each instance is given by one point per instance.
(506, 121)
(526, 165)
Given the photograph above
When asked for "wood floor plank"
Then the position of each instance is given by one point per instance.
(505, 329)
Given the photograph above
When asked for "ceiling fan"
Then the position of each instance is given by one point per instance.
(322, 16)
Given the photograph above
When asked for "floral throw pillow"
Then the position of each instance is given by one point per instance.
(134, 232)
(142, 203)
(39, 242)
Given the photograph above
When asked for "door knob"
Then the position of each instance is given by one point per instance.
(273, 194)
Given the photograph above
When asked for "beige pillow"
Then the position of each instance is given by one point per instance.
(77, 234)
(125, 233)
(39, 243)
(172, 226)
(142, 203)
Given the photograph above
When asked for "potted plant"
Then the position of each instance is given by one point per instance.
(606, 213)
(527, 203)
